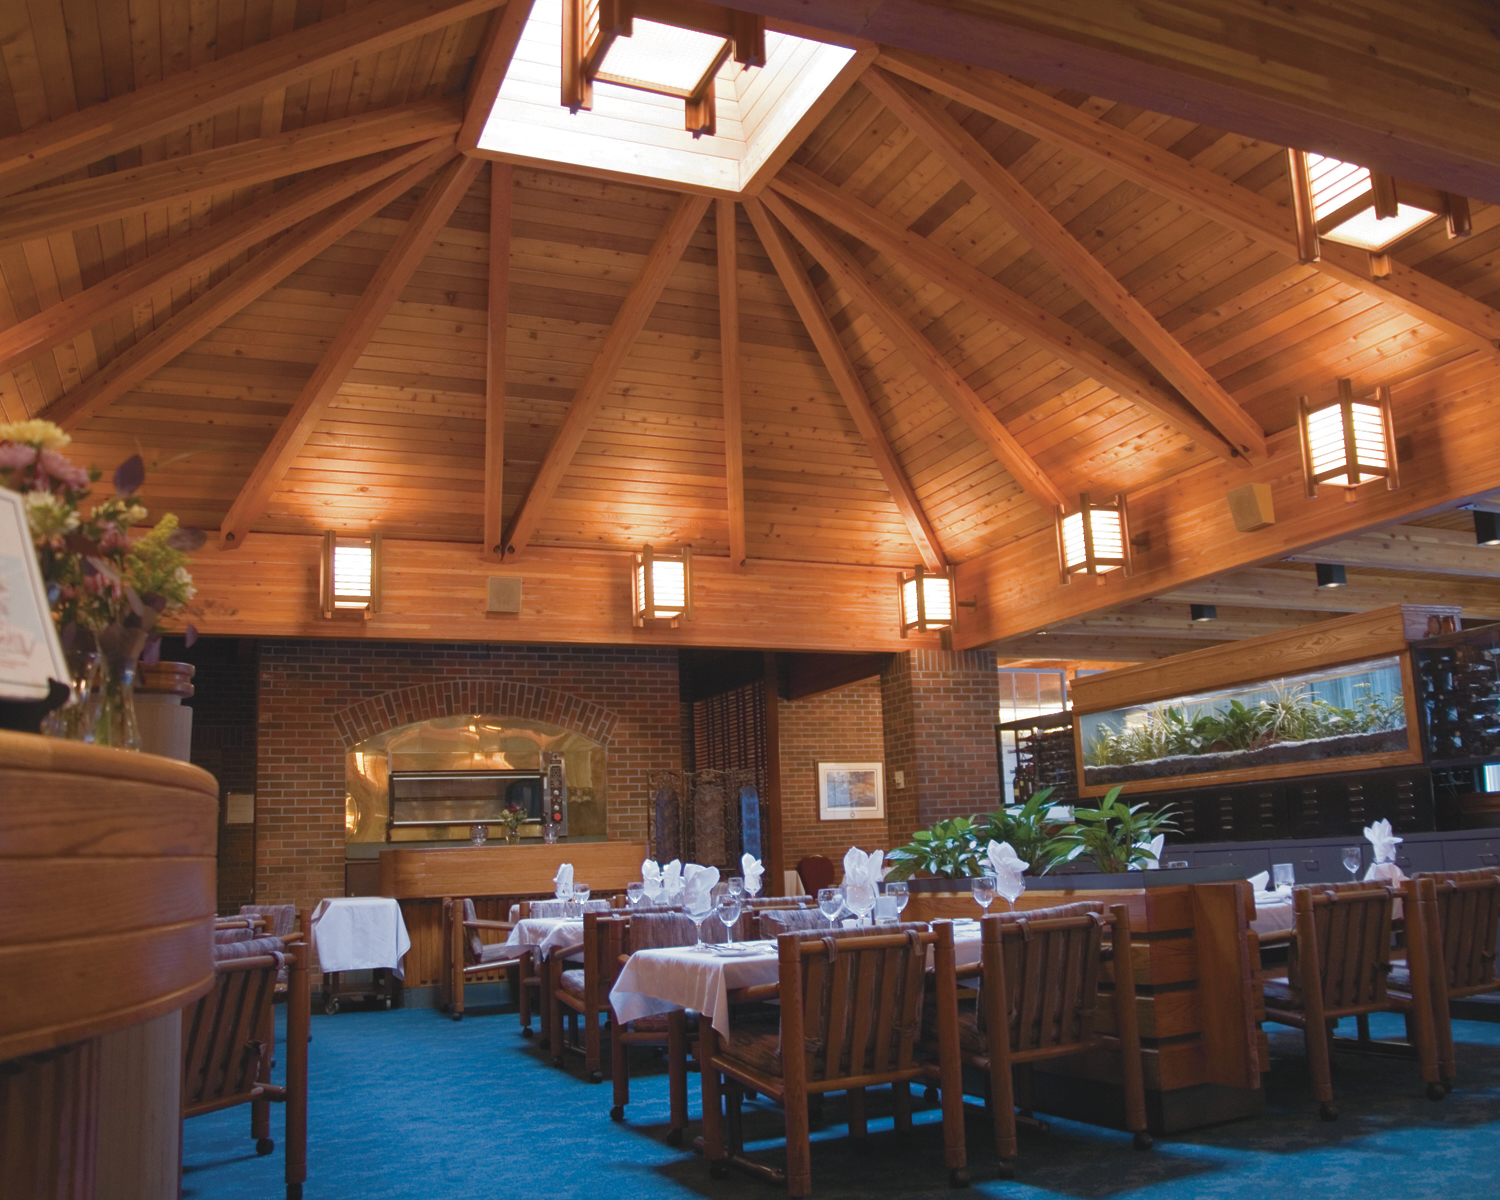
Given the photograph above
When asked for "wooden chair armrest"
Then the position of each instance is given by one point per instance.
(505, 925)
(758, 991)
(969, 972)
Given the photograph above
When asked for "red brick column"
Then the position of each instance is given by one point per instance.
(939, 709)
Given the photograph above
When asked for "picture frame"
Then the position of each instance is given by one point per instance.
(851, 791)
(30, 653)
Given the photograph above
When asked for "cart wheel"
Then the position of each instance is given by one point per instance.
(674, 1137)
(557, 1060)
(330, 1006)
(617, 1113)
(596, 1076)
(958, 1177)
(1143, 1140)
(526, 1031)
(264, 1146)
(1436, 1091)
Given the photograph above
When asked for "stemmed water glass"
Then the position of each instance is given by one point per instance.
(983, 887)
(860, 897)
(902, 895)
(699, 906)
(830, 903)
(635, 893)
(751, 884)
(727, 909)
(653, 891)
(580, 898)
(1352, 861)
(564, 892)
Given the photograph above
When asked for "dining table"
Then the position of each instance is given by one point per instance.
(548, 935)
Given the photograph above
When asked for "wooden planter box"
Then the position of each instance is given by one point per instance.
(1202, 1053)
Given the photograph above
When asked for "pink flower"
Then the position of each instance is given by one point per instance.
(18, 454)
(61, 469)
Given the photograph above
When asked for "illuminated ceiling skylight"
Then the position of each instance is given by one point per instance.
(1344, 206)
(638, 135)
(662, 58)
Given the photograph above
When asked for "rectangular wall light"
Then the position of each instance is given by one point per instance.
(349, 574)
(1348, 442)
(1095, 540)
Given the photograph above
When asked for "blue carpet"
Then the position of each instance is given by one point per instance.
(408, 1105)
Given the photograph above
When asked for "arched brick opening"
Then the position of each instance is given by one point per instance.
(458, 697)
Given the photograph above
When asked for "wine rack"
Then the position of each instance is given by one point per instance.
(1458, 694)
(1044, 757)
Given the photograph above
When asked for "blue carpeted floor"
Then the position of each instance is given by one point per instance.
(408, 1105)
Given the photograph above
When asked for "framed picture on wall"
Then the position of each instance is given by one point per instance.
(851, 791)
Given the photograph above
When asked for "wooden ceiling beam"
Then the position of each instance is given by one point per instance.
(1192, 533)
(500, 42)
(231, 294)
(995, 300)
(934, 368)
(1411, 548)
(1204, 191)
(496, 329)
(84, 202)
(726, 233)
(197, 252)
(627, 326)
(390, 279)
(926, 117)
(1267, 587)
(830, 348)
(58, 147)
(1067, 646)
(1363, 82)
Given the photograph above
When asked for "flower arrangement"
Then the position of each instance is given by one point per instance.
(513, 815)
(108, 593)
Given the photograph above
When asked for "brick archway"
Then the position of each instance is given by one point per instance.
(459, 697)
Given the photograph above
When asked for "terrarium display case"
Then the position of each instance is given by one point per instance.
(1338, 695)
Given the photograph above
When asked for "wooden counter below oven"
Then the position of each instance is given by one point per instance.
(492, 876)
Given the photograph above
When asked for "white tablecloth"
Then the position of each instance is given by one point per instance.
(1273, 912)
(660, 981)
(551, 935)
(359, 933)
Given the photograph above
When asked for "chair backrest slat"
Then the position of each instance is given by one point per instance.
(1468, 913)
(1048, 961)
(886, 1015)
(859, 1036)
(836, 1015)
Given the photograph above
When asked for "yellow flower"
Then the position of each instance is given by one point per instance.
(44, 434)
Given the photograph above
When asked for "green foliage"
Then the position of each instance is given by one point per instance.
(948, 850)
(1111, 834)
(1032, 835)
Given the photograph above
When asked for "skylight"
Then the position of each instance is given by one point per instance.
(1344, 207)
(635, 134)
(662, 58)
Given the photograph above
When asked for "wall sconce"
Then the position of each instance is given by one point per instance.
(1204, 612)
(926, 600)
(1348, 442)
(1330, 575)
(1486, 528)
(349, 577)
(1094, 540)
(662, 586)
(660, 46)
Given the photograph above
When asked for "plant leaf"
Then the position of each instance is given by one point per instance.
(129, 475)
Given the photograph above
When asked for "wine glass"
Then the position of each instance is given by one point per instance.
(1283, 874)
(580, 898)
(728, 911)
(735, 886)
(983, 888)
(1352, 861)
(902, 893)
(860, 897)
(699, 906)
(635, 893)
(830, 903)
(564, 891)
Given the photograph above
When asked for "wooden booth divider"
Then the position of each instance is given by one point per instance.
(1197, 993)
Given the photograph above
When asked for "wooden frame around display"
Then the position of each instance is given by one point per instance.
(1379, 633)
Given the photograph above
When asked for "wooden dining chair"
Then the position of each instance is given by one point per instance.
(466, 955)
(773, 922)
(851, 1006)
(583, 990)
(1038, 1000)
(1338, 964)
(1460, 913)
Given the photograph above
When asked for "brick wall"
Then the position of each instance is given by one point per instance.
(316, 697)
(940, 710)
(843, 725)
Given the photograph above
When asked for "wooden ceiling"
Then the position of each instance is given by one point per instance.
(250, 239)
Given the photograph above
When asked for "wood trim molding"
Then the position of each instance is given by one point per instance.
(727, 240)
(496, 331)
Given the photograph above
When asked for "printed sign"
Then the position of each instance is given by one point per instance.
(30, 653)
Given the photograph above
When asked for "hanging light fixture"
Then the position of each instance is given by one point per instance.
(668, 47)
(1486, 528)
(926, 600)
(662, 586)
(1330, 575)
(349, 578)
(1348, 442)
(1204, 612)
(1095, 540)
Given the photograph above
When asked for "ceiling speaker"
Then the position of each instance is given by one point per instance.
(1251, 507)
(505, 594)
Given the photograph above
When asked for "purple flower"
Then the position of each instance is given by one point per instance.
(76, 478)
(18, 454)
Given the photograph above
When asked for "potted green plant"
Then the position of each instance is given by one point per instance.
(949, 850)
(1033, 835)
(1115, 835)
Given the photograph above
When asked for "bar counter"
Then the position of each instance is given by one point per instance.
(492, 876)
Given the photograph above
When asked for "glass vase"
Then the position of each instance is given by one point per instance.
(76, 718)
(115, 723)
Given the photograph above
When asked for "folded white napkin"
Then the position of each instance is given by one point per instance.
(698, 887)
(671, 880)
(1154, 845)
(564, 875)
(751, 870)
(1008, 869)
(1259, 880)
(1383, 841)
(651, 877)
(862, 868)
